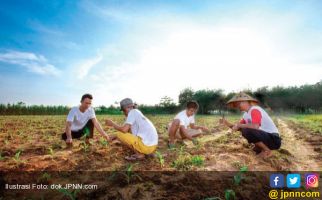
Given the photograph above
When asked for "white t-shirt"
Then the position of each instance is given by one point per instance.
(78, 118)
(184, 119)
(266, 123)
(142, 127)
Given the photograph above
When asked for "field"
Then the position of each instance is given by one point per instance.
(32, 143)
(310, 122)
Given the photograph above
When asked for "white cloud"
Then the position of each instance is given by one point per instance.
(83, 67)
(52, 36)
(230, 56)
(34, 63)
(39, 27)
(163, 54)
(105, 12)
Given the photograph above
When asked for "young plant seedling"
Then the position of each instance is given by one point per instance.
(17, 156)
(160, 158)
(51, 151)
(84, 146)
(44, 177)
(230, 194)
(129, 174)
(103, 142)
(71, 195)
(1, 157)
(197, 160)
(239, 176)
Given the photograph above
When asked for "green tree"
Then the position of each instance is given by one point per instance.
(185, 95)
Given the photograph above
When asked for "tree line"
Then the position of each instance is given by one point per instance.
(303, 99)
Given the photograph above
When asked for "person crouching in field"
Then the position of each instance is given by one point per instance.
(256, 125)
(144, 138)
(183, 125)
(81, 121)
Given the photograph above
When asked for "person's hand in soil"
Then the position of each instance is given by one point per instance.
(108, 138)
(112, 137)
(205, 129)
(69, 142)
(236, 127)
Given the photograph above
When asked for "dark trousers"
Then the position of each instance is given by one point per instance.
(271, 140)
(89, 127)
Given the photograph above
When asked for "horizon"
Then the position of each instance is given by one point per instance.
(54, 52)
(116, 102)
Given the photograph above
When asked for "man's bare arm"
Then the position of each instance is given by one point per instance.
(226, 123)
(252, 126)
(99, 128)
(124, 128)
(193, 126)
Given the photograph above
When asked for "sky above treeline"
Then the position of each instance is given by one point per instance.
(52, 52)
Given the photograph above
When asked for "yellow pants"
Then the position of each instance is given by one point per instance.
(135, 142)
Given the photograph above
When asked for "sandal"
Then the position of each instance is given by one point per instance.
(152, 155)
(133, 157)
(116, 142)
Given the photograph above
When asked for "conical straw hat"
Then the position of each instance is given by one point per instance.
(242, 96)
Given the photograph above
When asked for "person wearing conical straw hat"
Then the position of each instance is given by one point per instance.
(256, 125)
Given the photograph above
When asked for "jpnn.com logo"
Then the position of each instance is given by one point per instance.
(293, 181)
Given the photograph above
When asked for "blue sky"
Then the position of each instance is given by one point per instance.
(51, 52)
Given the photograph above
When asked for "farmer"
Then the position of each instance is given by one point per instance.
(81, 121)
(256, 125)
(183, 125)
(143, 139)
